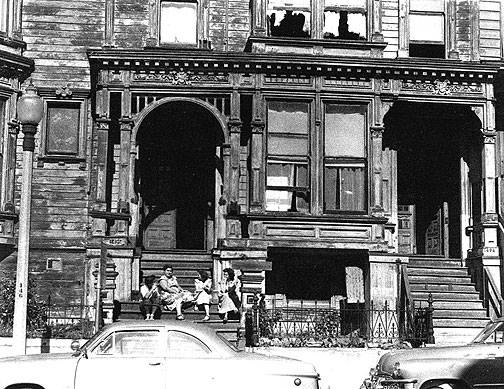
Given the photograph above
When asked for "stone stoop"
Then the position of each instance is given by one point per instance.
(232, 330)
(459, 313)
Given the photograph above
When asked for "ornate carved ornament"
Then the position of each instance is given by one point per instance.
(64, 91)
(181, 77)
(280, 79)
(442, 88)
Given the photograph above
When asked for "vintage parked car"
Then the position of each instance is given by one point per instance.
(155, 355)
(479, 364)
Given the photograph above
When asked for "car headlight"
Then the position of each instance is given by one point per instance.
(396, 373)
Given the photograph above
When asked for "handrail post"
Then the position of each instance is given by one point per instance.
(430, 324)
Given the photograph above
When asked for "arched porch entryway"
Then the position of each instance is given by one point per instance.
(438, 152)
(178, 175)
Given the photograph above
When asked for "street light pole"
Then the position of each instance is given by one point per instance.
(30, 109)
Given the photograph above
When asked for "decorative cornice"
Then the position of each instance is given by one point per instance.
(444, 87)
(152, 64)
(13, 65)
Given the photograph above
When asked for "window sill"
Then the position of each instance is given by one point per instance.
(354, 217)
(62, 160)
(202, 46)
(326, 47)
(6, 40)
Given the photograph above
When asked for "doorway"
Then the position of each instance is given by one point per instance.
(179, 164)
(433, 143)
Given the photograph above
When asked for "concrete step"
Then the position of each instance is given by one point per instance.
(459, 323)
(448, 295)
(444, 272)
(458, 314)
(439, 279)
(451, 304)
(418, 286)
(437, 262)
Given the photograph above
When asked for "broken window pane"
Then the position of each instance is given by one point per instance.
(178, 22)
(290, 18)
(291, 181)
(344, 25)
(427, 28)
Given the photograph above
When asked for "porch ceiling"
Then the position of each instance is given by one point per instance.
(340, 67)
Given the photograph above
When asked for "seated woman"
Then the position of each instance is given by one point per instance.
(171, 294)
(203, 292)
(150, 304)
(228, 294)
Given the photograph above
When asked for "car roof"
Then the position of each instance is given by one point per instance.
(169, 324)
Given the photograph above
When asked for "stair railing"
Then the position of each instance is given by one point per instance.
(416, 324)
(407, 305)
(491, 295)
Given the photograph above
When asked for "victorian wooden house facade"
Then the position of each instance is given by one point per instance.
(319, 147)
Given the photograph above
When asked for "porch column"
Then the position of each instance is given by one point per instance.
(102, 126)
(377, 22)
(257, 159)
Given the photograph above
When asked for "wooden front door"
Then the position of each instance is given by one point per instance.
(436, 234)
(406, 231)
(161, 233)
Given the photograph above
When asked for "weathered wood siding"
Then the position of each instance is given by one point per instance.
(131, 23)
(464, 29)
(57, 34)
(390, 27)
(229, 24)
(490, 29)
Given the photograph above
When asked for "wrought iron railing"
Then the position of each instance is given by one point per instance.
(68, 320)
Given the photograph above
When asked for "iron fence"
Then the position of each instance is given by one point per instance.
(68, 321)
(330, 326)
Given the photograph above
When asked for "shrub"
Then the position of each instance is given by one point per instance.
(35, 319)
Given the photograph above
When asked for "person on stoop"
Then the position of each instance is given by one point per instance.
(203, 292)
(228, 294)
(150, 303)
(171, 294)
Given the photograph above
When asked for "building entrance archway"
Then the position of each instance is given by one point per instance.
(438, 180)
(178, 176)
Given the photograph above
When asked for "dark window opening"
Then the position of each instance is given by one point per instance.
(289, 24)
(422, 50)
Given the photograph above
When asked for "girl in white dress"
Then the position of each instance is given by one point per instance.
(203, 292)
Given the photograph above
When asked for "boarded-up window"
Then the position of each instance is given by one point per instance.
(178, 22)
(63, 129)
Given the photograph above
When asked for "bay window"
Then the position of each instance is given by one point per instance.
(427, 28)
(344, 158)
(287, 170)
(340, 19)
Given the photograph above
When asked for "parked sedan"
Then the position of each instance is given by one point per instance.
(155, 355)
(478, 364)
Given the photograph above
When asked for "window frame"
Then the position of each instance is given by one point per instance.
(154, 39)
(427, 43)
(317, 11)
(291, 159)
(80, 155)
(345, 161)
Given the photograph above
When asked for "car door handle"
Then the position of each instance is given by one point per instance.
(154, 363)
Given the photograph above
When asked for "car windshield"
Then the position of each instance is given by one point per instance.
(492, 333)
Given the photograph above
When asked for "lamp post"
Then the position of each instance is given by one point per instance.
(30, 109)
